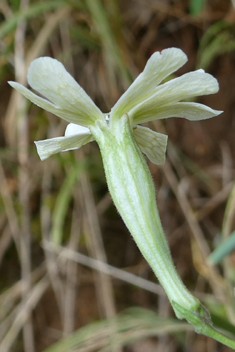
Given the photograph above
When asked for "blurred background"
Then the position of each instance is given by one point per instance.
(57, 221)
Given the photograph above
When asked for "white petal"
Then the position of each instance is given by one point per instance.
(189, 111)
(50, 78)
(48, 147)
(158, 67)
(47, 105)
(151, 143)
(187, 86)
(73, 129)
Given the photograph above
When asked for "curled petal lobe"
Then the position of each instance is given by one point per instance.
(48, 147)
(152, 144)
(158, 67)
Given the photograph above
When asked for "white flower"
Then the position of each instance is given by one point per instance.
(117, 133)
(145, 100)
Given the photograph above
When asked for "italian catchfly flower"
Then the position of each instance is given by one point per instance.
(122, 141)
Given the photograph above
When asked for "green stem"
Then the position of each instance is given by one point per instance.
(132, 189)
(133, 192)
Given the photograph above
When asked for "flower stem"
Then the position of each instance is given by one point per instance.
(132, 189)
(133, 192)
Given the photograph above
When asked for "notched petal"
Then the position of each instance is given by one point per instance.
(190, 85)
(159, 66)
(48, 106)
(50, 78)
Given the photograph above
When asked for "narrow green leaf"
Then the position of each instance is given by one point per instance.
(62, 203)
(107, 36)
(224, 249)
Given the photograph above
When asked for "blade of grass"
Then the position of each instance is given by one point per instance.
(218, 39)
(51, 24)
(96, 248)
(23, 176)
(9, 207)
(71, 272)
(228, 269)
(106, 268)
(187, 210)
(29, 12)
(51, 259)
(112, 52)
(223, 250)
(9, 298)
(132, 325)
(25, 310)
(62, 202)
(217, 199)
